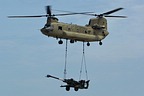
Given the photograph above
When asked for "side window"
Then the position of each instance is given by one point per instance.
(77, 30)
(89, 31)
(69, 29)
(89, 22)
(59, 27)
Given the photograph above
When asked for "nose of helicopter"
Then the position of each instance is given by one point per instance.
(106, 33)
(46, 30)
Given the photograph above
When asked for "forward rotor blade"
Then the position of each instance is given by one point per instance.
(48, 10)
(117, 16)
(112, 11)
(28, 16)
(37, 16)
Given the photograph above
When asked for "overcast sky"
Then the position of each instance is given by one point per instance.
(26, 56)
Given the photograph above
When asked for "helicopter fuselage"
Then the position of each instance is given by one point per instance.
(75, 32)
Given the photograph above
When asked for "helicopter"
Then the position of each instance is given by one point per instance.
(95, 30)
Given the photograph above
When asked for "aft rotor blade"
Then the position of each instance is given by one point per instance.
(90, 14)
(72, 13)
(112, 11)
(106, 14)
(117, 16)
(28, 16)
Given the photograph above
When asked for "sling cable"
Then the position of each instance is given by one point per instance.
(71, 83)
(81, 84)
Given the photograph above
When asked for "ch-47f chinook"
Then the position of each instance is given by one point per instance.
(95, 30)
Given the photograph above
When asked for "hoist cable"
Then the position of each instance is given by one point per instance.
(83, 62)
(81, 68)
(85, 68)
(65, 67)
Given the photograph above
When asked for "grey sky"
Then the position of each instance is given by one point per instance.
(115, 69)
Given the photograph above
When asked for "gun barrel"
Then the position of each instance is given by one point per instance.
(50, 76)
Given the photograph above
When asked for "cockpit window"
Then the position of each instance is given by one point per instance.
(89, 22)
(59, 27)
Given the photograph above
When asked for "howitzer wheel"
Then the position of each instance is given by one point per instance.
(76, 88)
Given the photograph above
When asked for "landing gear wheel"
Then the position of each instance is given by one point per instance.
(71, 41)
(67, 88)
(100, 43)
(88, 44)
(76, 88)
(60, 42)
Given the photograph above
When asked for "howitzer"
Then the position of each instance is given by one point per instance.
(82, 84)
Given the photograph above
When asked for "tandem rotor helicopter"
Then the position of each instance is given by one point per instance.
(95, 30)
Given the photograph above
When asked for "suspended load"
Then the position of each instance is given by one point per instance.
(71, 83)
